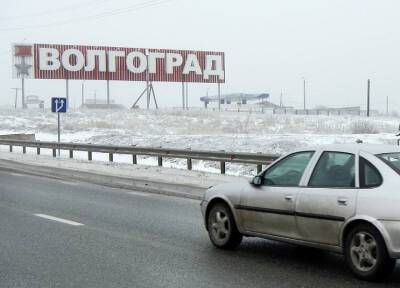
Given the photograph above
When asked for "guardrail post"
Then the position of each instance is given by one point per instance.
(38, 150)
(71, 154)
(259, 168)
(11, 148)
(189, 163)
(54, 152)
(110, 157)
(134, 159)
(24, 149)
(90, 155)
(222, 167)
(159, 161)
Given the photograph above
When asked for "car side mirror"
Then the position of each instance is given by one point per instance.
(257, 180)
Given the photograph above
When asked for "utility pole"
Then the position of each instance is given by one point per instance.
(368, 96)
(95, 97)
(304, 94)
(280, 100)
(16, 96)
(387, 105)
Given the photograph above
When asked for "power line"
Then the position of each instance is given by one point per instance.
(55, 11)
(120, 11)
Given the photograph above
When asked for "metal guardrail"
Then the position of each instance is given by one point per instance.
(215, 156)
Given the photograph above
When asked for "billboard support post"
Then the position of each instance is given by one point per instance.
(187, 96)
(83, 93)
(183, 96)
(149, 90)
(154, 94)
(140, 96)
(16, 97)
(147, 79)
(108, 92)
(67, 90)
(23, 92)
(219, 96)
(108, 78)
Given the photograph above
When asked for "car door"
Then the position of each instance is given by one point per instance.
(328, 199)
(270, 207)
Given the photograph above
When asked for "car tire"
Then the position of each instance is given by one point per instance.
(222, 228)
(366, 253)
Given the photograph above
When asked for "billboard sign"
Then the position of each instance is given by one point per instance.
(52, 61)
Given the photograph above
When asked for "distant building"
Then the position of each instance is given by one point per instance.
(33, 101)
(239, 98)
(269, 105)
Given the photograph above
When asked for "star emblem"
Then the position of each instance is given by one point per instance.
(23, 68)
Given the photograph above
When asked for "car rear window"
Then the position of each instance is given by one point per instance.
(392, 159)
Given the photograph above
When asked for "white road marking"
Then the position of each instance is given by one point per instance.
(139, 194)
(73, 223)
(67, 183)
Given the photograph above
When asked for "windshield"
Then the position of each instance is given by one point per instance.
(392, 159)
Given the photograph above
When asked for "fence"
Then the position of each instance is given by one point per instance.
(222, 157)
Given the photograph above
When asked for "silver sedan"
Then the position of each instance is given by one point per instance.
(341, 198)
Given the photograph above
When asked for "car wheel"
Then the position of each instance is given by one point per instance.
(222, 228)
(366, 253)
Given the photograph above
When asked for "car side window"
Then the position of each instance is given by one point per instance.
(288, 171)
(369, 174)
(334, 169)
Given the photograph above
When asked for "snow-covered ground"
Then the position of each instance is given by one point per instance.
(200, 129)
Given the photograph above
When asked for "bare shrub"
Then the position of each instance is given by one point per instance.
(363, 127)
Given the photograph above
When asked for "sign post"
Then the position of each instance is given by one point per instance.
(58, 105)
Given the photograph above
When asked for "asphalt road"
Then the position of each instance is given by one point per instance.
(134, 239)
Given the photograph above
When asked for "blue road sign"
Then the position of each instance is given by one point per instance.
(59, 105)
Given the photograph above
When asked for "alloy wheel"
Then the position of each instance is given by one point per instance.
(220, 226)
(363, 251)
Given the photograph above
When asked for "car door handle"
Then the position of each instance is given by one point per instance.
(289, 197)
(342, 201)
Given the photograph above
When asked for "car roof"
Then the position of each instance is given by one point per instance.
(355, 148)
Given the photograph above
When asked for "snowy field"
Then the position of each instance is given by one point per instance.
(201, 129)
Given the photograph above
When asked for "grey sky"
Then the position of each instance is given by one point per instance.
(270, 46)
